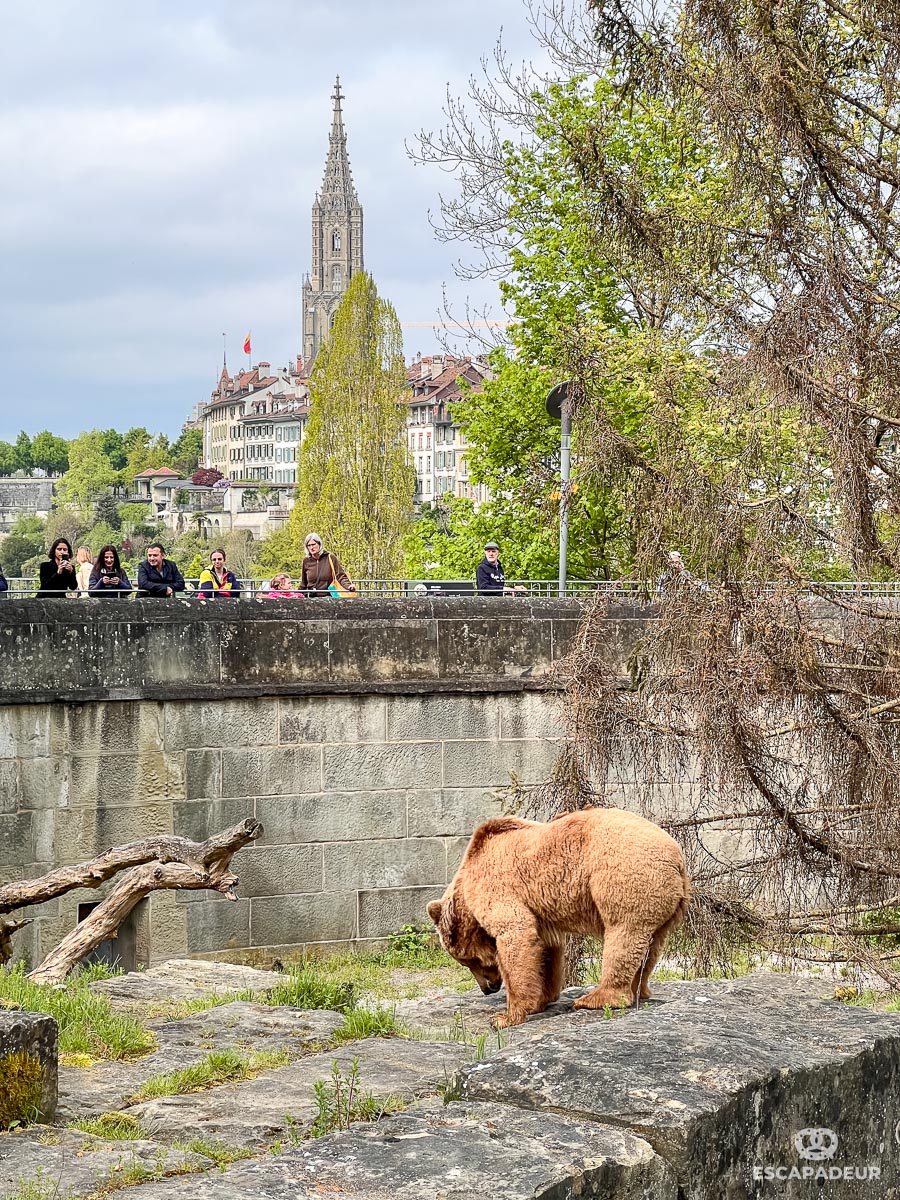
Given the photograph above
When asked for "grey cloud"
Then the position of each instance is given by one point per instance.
(162, 160)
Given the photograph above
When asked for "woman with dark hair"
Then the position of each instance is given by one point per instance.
(58, 573)
(217, 580)
(108, 577)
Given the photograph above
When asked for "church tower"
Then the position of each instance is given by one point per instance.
(337, 239)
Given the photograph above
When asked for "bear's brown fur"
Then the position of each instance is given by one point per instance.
(523, 886)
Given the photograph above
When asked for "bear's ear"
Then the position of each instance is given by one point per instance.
(434, 911)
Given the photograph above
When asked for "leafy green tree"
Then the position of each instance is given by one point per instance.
(25, 540)
(355, 479)
(100, 535)
(106, 510)
(9, 463)
(135, 516)
(114, 448)
(90, 472)
(145, 451)
(23, 453)
(187, 451)
(50, 453)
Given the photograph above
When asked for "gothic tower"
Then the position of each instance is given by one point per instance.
(337, 239)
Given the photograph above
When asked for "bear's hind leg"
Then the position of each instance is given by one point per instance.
(623, 952)
(554, 974)
(641, 985)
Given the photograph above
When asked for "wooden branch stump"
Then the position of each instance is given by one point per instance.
(151, 865)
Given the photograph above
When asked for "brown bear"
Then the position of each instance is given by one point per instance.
(523, 886)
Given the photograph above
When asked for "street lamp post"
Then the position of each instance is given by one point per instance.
(560, 409)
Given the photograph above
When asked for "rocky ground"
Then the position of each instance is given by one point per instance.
(684, 1098)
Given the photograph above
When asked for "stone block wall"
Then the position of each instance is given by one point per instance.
(368, 772)
(367, 804)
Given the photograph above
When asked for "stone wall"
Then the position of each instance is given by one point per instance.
(368, 739)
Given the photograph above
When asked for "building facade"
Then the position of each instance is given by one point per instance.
(437, 444)
(337, 239)
(254, 424)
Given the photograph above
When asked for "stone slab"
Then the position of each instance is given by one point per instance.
(262, 1110)
(89, 1091)
(184, 979)
(67, 1162)
(720, 1079)
(29, 1057)
(432, 1152)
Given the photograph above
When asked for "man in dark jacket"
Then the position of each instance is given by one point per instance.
(157, 576)
(3, 584)
(489, 577)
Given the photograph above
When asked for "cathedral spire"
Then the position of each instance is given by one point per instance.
(337, 237)
(337, 184)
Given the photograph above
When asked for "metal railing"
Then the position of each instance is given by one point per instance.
(636, 590)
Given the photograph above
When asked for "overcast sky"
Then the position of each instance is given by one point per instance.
(160, 161)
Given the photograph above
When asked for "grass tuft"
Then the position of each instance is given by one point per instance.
(368, 1022)
(219, 1152)
(308, 986)
(112, 1127)
(221, 1066)
(87, 1023)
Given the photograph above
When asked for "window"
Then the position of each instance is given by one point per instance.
(336, 277)
(428, 463)
(428, 440)
(336, 240)
(420, 440)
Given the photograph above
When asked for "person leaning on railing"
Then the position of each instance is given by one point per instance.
(3, 584)
(157, 575)
(281, 588)
(57, 573)
(108, 578)
(321, 569)
(217, 580)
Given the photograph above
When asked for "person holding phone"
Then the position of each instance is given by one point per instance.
(108, 577)
(58, 573)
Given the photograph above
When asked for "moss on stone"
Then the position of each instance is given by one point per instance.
(21, 1088)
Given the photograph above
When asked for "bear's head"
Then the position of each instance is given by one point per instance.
(466, 941)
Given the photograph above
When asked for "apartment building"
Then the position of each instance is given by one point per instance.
(437, 445)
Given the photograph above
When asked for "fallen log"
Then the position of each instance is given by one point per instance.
(151, 865)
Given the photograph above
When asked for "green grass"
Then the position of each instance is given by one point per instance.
(367, 1022)
(307, 986)
(112, 1127)
(39, 1187)
(87, 1023)
(374, 973)
(177, 1010)
(341, 1102)
(221, 1154)
(220, 1066)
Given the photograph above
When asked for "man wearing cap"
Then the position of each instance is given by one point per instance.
(489, 577)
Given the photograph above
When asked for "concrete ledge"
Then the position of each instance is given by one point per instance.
(81, 650)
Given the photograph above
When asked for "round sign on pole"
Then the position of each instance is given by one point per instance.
(554, 401)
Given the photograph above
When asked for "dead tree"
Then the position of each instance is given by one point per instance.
(150, 865)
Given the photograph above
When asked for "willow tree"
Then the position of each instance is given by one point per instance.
(355, 480)
(731, 169)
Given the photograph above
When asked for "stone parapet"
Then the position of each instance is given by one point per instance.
(88, 650)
